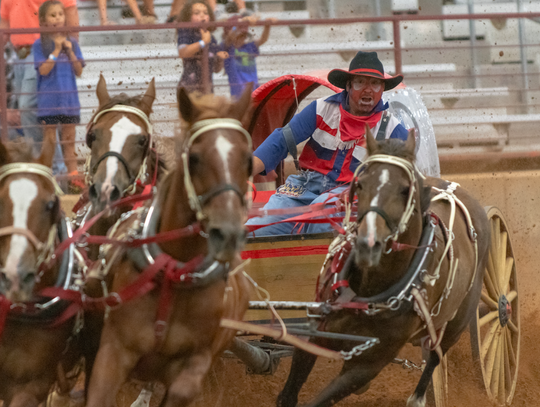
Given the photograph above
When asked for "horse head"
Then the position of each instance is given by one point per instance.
(30, 210)
(217, 165)
(119, 137)
(390, 197)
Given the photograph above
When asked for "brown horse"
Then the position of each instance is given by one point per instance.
(413, 272)
(34, 340)
(122, 158)
(171, 333)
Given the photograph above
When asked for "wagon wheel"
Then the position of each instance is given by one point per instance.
(495, 332)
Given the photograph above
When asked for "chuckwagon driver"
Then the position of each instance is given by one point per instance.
(334, 128)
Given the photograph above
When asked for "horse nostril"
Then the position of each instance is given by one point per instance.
(5, 281)
(29, 278)
(92, 192)
(115, 194)
(216, 235)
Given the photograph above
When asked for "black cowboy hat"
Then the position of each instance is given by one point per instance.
(365, 64)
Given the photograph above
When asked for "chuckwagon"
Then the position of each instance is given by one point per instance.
(288, 266)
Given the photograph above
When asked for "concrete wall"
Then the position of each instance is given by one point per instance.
(517, 195)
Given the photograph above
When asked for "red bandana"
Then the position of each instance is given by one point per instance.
(353, 127)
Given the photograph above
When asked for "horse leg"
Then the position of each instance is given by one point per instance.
(354, 376)
(418, 398)
(302, 364)
(188, 380)
(111, 368)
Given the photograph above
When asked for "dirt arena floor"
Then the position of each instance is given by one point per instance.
(517, 195)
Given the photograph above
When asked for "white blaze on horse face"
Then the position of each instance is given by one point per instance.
(22, 193)
(371, 217)
(224, 147)
(120, 131)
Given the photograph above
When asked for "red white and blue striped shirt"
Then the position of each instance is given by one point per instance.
(325, 150)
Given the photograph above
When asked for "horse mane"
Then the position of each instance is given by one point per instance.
(396, 148)
(20, 150)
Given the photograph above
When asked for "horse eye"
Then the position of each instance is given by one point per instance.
(405, 191)
(194, 161)
(142, 141)
(359, 185)
(49, 206)
(90, 138)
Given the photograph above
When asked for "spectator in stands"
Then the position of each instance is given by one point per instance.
(234, 6)
(242, 49)
(58, 60)
(334, 128)
(149, 16)
(192, 42)
(24, 14)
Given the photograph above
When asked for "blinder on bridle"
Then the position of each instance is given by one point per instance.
(411, 171)
(90, 137)
(196, 202)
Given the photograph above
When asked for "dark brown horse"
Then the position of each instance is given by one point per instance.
(122, 158)
(171, 333)
(413, 272)
(35, 342)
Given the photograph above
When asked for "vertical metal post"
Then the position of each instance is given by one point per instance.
(472, 33)
(377, 29)
(523, 55)
(3, 88)
(207, 87)
(398, 62)
(331, 8)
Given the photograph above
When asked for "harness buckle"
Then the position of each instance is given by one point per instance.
(82, 242)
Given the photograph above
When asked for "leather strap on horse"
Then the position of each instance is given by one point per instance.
(279, 336)
(425, 315)
(5, 306)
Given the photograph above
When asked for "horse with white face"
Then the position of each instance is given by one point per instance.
(32, 346)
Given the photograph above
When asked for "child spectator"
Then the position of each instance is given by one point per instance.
(149, 16)
(242, 49)
(58, 59)
(192, 42)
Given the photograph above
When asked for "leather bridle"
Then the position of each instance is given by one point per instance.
(133, 179)
(196, 202)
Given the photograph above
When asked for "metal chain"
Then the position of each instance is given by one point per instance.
(407, 364)
(359, 349)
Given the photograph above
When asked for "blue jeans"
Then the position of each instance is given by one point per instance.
(305, 188)
(25, 87)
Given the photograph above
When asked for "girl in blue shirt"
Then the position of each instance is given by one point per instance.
(58, 60)
(192, 42)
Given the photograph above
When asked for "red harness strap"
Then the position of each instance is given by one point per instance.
(5, 306)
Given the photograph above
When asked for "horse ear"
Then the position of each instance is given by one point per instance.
(47, 149)
(187, 109)
(4, 154)
(148, 99)
(101, 91)
(241, 108)
(370, 142)
(410, 144)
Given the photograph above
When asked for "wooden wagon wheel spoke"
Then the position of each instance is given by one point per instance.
(488, 301)
(495, 332)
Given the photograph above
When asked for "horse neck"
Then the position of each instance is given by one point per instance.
(176, 214)
(392, 267)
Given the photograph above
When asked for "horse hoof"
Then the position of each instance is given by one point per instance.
(413, 401)
(363, 389)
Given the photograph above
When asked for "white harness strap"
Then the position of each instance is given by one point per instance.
(127, 109)
(197, 129)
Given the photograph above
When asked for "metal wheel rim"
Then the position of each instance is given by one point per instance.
(495, 342)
